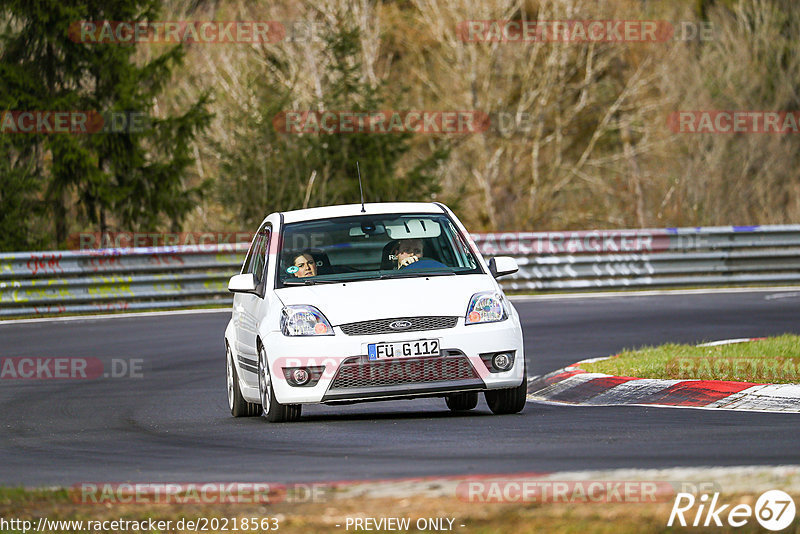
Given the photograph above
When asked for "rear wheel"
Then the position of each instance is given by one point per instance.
(459, 402)
(238, 406)
(511, 400)
(274, 411)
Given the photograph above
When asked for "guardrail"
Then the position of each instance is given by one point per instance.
(671, 257)
(67, 282)
(81, 281)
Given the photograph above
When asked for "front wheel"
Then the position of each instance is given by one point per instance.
(274, 411)
(238, 406)
(510, 400)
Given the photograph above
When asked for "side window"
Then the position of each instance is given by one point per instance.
(464, 256)
(256, 259)
(248, 261)
(259, 262)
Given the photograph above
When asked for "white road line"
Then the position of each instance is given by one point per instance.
(115, 316)
(726, 342)
(653, 292)
(792, 294)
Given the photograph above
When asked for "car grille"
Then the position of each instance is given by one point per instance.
(356, 373)
(381, 326)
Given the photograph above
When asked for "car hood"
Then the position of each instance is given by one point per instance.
(352, 302)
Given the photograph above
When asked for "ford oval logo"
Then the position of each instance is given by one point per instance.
(400, 325)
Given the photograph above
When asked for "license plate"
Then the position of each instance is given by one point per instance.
(403, 349)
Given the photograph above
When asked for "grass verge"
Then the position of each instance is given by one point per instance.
(331, 517)
(774, 360)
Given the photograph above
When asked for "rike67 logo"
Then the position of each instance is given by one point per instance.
(774, 510)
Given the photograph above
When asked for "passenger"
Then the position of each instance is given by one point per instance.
(306, 265)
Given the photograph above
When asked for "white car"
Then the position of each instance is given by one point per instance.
(354, 303)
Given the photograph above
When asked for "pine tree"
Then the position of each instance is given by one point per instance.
(131, 179)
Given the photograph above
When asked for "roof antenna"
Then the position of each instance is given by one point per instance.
(359, 188)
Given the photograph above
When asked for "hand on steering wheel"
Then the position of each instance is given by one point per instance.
(408, 261)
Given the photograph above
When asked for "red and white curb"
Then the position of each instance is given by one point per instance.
(575, 386)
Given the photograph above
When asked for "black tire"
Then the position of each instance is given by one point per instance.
(274, 411)
(510, 400)
(238, 406)
(459, 402)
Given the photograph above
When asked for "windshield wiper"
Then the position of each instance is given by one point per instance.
(416, 273)
(299, 282)
(314, 281)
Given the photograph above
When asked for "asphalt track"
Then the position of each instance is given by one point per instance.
(172, 424)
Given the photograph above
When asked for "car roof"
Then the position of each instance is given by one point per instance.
(377, 208)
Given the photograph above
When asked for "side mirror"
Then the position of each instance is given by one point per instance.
(502, 265)
(242, 283)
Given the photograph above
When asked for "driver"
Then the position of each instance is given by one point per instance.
(409, 254)
(407, 251)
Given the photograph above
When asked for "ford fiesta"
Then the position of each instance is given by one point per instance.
(357, 303)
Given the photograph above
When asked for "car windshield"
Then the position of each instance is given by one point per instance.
(372, 247)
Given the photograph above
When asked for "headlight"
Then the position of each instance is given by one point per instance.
(304, 321)
(486, 307)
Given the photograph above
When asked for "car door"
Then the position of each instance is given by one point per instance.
(247, 307)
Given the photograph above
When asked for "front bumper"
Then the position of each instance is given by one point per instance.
(349, 375)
